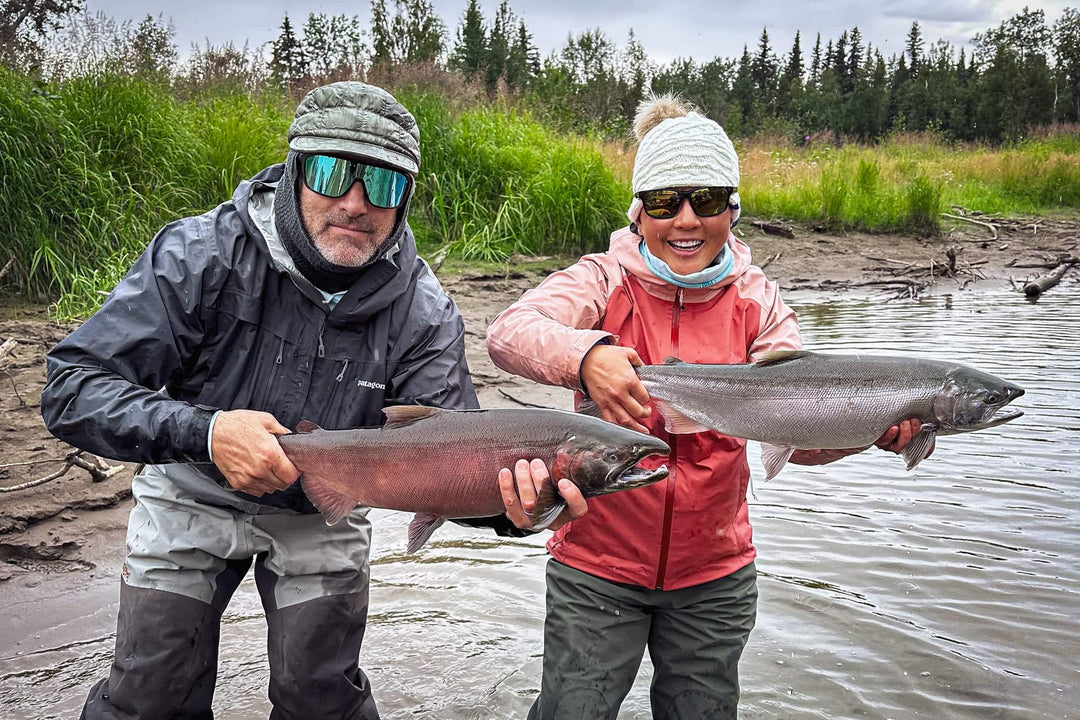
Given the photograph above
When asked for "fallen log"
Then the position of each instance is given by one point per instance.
(774, 228)
(1038, 286)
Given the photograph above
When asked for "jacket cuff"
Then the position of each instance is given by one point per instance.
(194, 440)
(499, 523)
(606, 340)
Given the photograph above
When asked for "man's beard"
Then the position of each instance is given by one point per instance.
(347, 252)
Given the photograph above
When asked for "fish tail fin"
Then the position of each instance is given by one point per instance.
(333, 504)
(549, 503)
(921, 445)
(421, 528)
(774, 458)
(675, 422)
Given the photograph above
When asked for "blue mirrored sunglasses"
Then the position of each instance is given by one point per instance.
(333, 176)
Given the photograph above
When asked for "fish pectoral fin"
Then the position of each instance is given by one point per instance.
(333, 505)
(589, 407)
(401, 415)
(549, 503)
(421, 528)
(921, 445)
(306, 426)
(675, 422)
(775, 357)
(774, 458)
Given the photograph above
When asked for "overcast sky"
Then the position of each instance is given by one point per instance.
(667, 29)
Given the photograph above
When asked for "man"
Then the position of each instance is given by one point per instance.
(302, 298)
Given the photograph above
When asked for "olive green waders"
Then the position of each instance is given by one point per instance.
(596, 632)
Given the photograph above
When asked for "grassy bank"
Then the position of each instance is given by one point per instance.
(91, 168)
(905, 183)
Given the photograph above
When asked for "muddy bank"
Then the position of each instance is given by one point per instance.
(75, 521)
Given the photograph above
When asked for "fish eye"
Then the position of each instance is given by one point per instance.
(611, 456)
(992, 398)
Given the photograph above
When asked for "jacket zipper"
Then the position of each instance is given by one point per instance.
(669, 501)
(272, 375)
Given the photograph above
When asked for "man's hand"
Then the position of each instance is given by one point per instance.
(519, 490)
(247, 453)
(607, 372)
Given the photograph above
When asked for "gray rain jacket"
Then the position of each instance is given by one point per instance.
(211, 316)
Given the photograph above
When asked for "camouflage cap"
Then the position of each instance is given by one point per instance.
(359, 120)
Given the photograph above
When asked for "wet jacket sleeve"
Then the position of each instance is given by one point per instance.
(104, 387)
(545, 335)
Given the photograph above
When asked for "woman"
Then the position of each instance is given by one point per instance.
(671, 566)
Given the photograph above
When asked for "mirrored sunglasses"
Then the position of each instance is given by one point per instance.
(333, 176)
(664, 204)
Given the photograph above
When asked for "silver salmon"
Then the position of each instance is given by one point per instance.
(806, 400)
(444, 464)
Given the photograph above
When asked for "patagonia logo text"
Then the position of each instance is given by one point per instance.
(369, 384)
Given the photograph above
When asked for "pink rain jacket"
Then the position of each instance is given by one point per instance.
(694, 526)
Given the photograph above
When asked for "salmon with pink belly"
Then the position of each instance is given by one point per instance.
(442, 464)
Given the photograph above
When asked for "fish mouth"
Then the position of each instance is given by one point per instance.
(997, 417)
(637, 476)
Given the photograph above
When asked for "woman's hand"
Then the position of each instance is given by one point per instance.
(608, 376)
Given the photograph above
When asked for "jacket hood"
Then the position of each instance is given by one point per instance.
(380, 283)
(624, 246)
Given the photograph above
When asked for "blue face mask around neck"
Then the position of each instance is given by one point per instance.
(719, 269)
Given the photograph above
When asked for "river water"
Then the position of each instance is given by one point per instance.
(952, 591)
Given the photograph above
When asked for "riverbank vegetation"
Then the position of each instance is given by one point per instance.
(105, 135)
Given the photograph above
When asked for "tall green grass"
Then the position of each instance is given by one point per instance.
(90, 169)
(495, 182)
(906, 183)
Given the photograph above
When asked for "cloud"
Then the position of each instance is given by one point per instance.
(974, 11)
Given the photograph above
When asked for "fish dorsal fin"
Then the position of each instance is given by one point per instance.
(306, 426)
(672, 360)
(921, 445)
(775, 357)
(401, 415)
(322, 493)
(774, 458)
(675, 422)
(420, 529)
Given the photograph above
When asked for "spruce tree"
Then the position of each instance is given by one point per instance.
(470, 45)
(287, 62)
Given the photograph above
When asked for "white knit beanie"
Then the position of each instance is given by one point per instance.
(680, 148)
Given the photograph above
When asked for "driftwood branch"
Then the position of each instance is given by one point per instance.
(973, 221)
(99, 470)
(1051, 264)
(769, 260)
(437, 261)
(7, 347)
(7, 266)
(508, 396)
(1037, 287)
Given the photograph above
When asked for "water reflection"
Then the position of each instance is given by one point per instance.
(947, 592)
